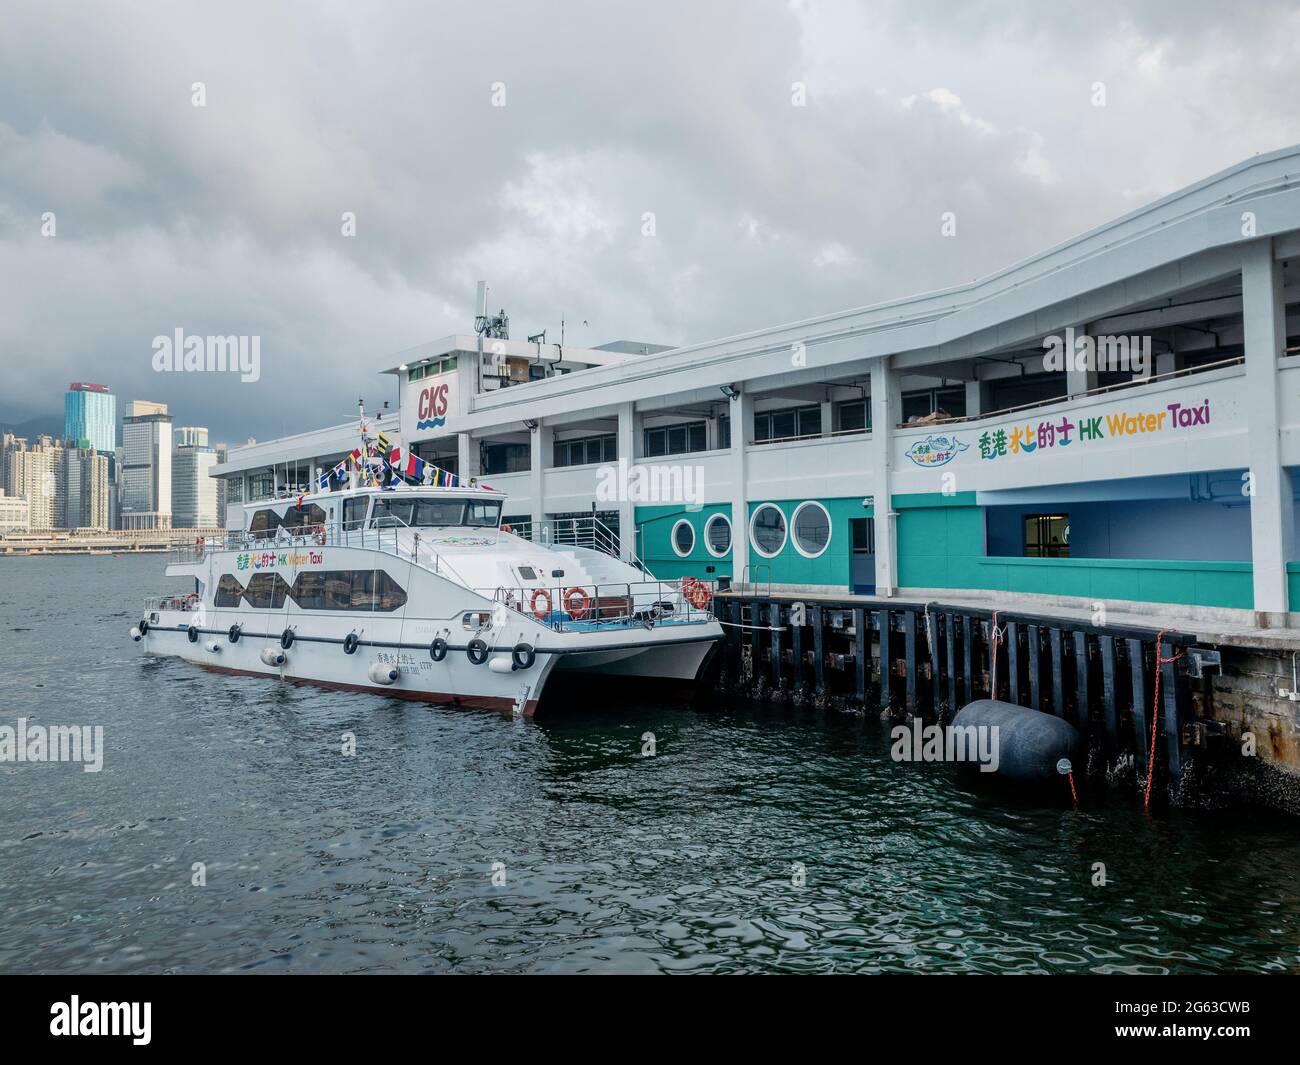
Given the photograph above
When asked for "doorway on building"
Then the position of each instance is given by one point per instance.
(862, 564)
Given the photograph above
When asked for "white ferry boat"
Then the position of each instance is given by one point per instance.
(421, 592)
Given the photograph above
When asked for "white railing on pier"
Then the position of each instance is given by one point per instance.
(589, 532)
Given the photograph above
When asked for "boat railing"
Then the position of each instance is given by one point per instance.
(593, 607)
(156, 603)
(400, 541)
(587, 531)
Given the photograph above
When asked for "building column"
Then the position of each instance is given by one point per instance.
(625, 442)
(974, 398)
(828, 417)
(1271, 504)
(742, 424)
(886, 411)
(467, 464)
(541, 439)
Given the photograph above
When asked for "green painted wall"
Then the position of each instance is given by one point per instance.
(1293, 585)
(831, 568)
(654, 539)
(941, 545)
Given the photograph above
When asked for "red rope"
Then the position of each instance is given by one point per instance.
(1073, 794)
(1155, 709)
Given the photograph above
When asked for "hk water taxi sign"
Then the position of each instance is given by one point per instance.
(1063, 434)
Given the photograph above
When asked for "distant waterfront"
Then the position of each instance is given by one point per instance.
(686, 861)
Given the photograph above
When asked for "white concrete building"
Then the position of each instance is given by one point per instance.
(15, 513)
(793, 455)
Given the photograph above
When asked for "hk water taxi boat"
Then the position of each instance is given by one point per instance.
(419, 591)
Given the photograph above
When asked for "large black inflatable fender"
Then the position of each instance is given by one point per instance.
(1029, 742)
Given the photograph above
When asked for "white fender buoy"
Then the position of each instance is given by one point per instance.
(213, 646)
(273, 656)
(501, 664)
(136, 633)
(382, 673)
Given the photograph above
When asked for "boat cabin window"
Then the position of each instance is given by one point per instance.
(528, 573)
(428, 513)
(229, 591)
(354, 512)
(347, 590)
(264, 523)
(266, 591)
(299, 519)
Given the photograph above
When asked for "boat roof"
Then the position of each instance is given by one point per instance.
(404, 491)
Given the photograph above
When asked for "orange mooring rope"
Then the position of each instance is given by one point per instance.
(1073, 794)
(1155, 710)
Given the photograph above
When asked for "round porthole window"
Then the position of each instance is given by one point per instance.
(683, 538)
(717, 535)
(811, 529)
(767, 530)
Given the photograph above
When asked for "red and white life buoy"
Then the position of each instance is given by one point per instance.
(698, 594)
(540, 594)
(576, 603)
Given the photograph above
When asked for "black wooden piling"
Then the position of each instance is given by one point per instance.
(1081, 679)
(1058, 677)
(1137, 669)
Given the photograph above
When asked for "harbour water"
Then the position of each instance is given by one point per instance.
(613, 861)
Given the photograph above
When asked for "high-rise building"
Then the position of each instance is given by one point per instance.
(90, 414)
(8, 445)
(84, 490)
(194, 490)
(190, 435)
(145, 472)
(35, 475)
(15, 513)
(223, 453)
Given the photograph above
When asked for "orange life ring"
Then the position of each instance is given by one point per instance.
(540, 593)
(698, 594)
(576, 603)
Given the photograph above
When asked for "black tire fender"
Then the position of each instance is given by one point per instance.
(192, 634)
(286, 639)
(350, 643)
(477, 651)
(233, 634)
(523, 656)
(438, 649)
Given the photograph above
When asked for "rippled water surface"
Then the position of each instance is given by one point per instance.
(614, 862)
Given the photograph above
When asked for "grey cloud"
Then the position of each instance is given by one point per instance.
(226, 219)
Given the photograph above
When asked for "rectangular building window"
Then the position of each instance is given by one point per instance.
(586, 449)
(788, 424)
(1047, 536)
(852, 416)
(675, 439)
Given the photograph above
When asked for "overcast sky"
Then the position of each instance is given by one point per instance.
(226, 219)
